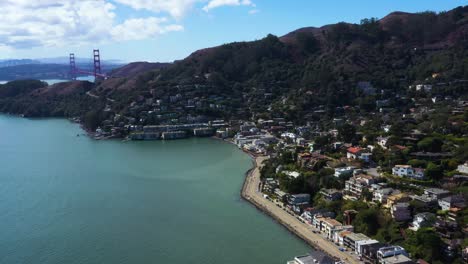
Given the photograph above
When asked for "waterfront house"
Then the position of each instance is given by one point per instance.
(281, 196)
(390, 251)
(337, 235)
(350, 240)
(369, 251)
(270, 185)
(174, 135)
(299, 199)
(399, 259)
(360, 245)
(315, 257)
(329, 226)
(341, 236)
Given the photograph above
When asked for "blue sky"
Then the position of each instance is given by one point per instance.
(166, 30)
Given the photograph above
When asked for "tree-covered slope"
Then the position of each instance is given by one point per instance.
(293, 75)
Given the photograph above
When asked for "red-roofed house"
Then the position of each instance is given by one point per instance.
(358, 153)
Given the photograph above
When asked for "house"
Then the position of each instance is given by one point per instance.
(270, 185)
(355, 185)
(280, 194)
(299, 199)
(463, 168)
(408, 171)
(350, 240)
(398, 259)
(329, 225)
(292, 174)
(362, 243)
(344, 172)
(315, 257)
(331, 194)
(341, 235)
(401, 212)
(390, 251)
(382, 142)
(358, 153)
(424, 201)
(381, 195)
(425, 219)
(369, 252)
(436, 193)
(451, 201)
(424, 87)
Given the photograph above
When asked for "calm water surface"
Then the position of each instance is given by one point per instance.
(69, 199)
(54, 81)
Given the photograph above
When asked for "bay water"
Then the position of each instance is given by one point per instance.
(65, 198)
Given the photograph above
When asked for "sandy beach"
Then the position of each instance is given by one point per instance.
(251, 193)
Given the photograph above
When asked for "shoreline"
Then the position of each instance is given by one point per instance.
(250, 193)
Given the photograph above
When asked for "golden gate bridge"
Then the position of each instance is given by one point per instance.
(74, 71)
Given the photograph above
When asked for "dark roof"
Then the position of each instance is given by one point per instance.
(317, 257)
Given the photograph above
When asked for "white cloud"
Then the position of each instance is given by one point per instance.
(142, 28)
(52, 23)
(176, 8)
(59, 23)
(218, 3)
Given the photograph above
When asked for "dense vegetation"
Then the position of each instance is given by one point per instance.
(307, 70)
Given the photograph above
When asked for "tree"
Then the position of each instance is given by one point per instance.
(430, 144)
(347, 132)
(92, 119)
(367, 221)
(433, 171)
(424, 244)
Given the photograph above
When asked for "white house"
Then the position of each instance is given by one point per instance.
(381, 195)
(463, 168)
(345, 171)
(422, 220)
(382, 141)
(451, 201)
(408, 171)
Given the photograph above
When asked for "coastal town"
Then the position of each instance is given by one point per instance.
(353, 114)
(381, 187)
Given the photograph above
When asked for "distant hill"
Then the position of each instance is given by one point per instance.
(136, 68)
(292, 75)
(45, 71)
(14, 62)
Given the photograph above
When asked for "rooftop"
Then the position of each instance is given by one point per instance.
(315, 257)
(357, 237)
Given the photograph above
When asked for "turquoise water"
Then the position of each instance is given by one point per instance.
(69, 199)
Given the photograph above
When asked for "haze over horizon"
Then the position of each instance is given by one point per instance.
(168, 30)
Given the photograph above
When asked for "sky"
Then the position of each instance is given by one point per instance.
(167, 30)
